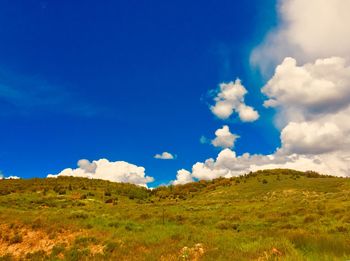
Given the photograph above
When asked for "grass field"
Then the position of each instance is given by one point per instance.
(266, 215)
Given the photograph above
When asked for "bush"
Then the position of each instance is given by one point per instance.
(37, 255)
(79, 214)
(114, 224)
(225, 225)
(7, 257)
(17, 238)
(56, 250)
(309, 219)
(110, 247)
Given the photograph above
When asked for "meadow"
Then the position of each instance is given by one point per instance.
(266, 215)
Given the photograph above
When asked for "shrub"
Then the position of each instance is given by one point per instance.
(225, 225)
(79, 214)
(133, 227)
(342, 229)
(37, 255)
(7, 257)
(17, 238)
(309, 219)
(110, 247)
(114, 224)
(57, 249)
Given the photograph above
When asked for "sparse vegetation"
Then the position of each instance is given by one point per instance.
(266, 215)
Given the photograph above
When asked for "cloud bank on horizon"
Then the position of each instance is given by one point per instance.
(309, 90)
(117, 171)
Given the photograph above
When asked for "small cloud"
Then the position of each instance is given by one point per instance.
(230, 99)
(12, 177)
(203, 140)
(165, 156)
(224, 138)
(2, 176)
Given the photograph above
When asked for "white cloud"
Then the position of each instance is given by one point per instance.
(9, 177)
(87, 166)
(228, 164)
(12, 177)
(312, 137)
(118, 171)
(309, 90)
(164, 156)
(308, 30)
(312, 100)
(224, 138)
(313, 103)
(230, 99)
(314, 117)
(182, 177)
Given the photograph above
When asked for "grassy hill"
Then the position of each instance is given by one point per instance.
(266, 215)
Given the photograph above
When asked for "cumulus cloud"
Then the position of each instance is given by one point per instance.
(118, 171)
(164, 156)
(230, 99)
(182, 177)
(309, 90)
(313, 103)
(87, 166)
(307, 30)
(9, 177)
(12, 177)
(228, 164)
(314, 116)
(312, 99)
(224, 138)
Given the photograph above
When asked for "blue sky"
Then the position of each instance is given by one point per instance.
(125, 80)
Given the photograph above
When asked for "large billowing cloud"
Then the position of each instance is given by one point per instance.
(313, 103)
(308, 30)
(224, 138)
(312, 99)
(230, 99)
(118, 171)
(182, 177)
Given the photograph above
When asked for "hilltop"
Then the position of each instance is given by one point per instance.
(266, 215)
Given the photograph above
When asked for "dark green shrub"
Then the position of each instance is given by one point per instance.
(110, 247)
(79, 215)
(225, 225)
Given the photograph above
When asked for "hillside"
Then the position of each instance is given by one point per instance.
(266, 215)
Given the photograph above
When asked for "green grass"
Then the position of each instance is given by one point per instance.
(266, 215)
